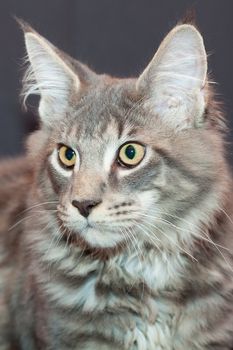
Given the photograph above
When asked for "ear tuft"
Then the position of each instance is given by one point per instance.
(26, 28)
(189, 16)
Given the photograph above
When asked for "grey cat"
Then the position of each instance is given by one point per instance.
(116, 227)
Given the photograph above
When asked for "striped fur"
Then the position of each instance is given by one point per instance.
(153, 271)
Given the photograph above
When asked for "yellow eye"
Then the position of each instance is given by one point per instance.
(67, 156)
(131, 154)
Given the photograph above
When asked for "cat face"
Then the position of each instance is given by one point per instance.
(110, 187)
(127, 159)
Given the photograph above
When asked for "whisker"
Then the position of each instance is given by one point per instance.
(151, 238)
(187, 230)
(56, 238)
(231, 221)
(30, 216)
(170, 239)
(138, 251)
(127, 238)
(20, 221)
(37, 205)
(200, 231)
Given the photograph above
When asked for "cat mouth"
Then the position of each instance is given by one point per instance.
(77, 239)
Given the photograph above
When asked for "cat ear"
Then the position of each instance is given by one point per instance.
(173, 82)
(48, 75)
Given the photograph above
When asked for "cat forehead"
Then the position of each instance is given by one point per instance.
(105, 110)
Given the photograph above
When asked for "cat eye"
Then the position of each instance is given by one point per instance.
(131, 154)
(67, 156)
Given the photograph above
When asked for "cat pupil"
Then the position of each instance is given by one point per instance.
(130, 152)
(69, 153)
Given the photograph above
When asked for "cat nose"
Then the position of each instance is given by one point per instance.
(85, 207)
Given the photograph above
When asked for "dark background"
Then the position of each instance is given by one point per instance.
(118, 37)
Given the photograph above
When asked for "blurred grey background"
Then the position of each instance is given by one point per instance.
(118, 37)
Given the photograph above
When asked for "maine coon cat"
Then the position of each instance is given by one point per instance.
(116, 227)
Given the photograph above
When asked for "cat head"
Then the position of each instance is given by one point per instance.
(129, 161)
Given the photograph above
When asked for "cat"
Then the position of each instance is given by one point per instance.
(116, 228)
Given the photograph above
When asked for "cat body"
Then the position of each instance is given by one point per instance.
(116, 228)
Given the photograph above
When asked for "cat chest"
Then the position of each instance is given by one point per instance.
(99, 308)
(116, 323)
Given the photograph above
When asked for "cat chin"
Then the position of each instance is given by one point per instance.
(101, 238)
(88, 241)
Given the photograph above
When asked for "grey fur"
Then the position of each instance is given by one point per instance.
(157, 271)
